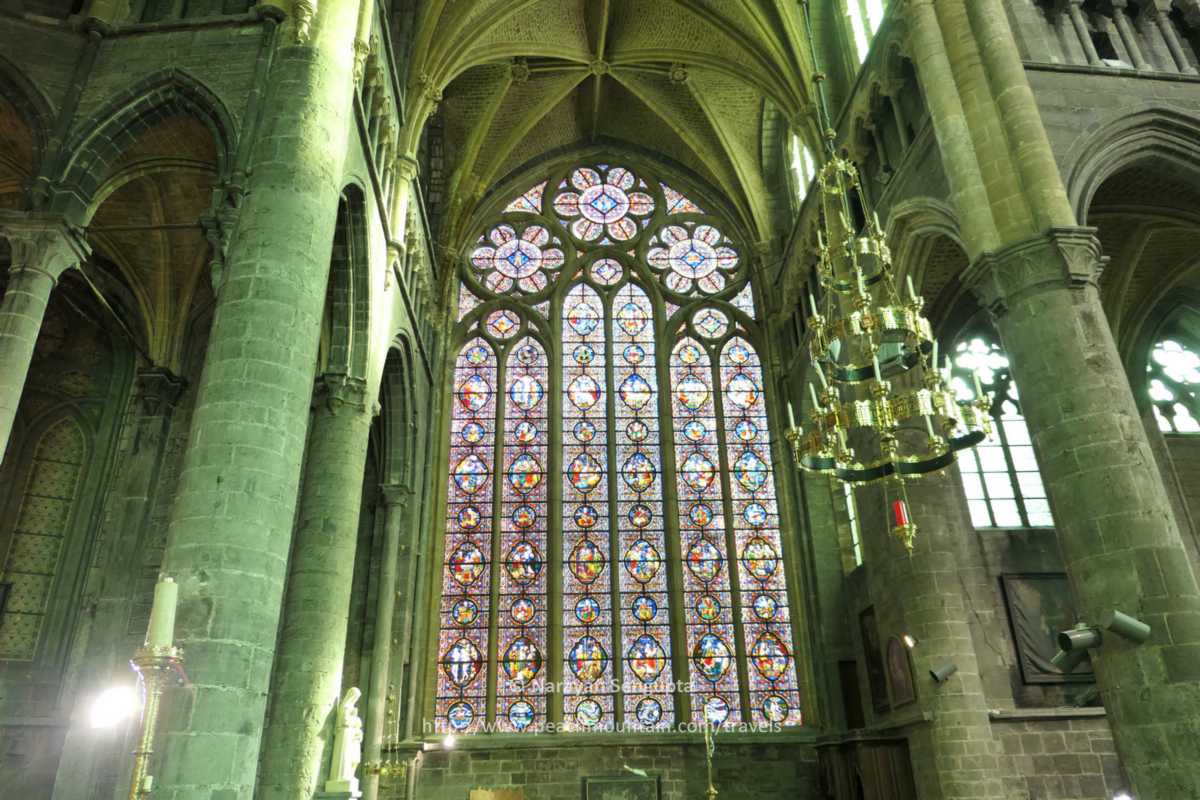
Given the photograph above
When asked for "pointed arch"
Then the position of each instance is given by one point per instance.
(96, 142)
(19, 91)
(349, 302)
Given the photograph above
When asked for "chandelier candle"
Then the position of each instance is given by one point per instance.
(161, 632)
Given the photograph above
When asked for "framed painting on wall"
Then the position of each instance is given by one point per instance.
(900, 675)
(872, 653)
(1039, 605)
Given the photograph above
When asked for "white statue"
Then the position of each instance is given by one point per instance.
(347, 745)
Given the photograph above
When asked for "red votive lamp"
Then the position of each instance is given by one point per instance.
(900, 512)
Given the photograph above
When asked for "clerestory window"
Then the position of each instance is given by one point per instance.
(612, 552)
(1001, 477)
(1173, 375)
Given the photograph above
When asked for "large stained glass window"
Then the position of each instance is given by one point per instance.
(613, 552)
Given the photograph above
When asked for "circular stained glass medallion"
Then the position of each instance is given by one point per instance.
(708, 608)
(765, 606)
(524, 562)
(525, 432)
(712, 657)
(770, 657)
(638, 472)
(473, 433)
(646, 658)
(634, 354)
(583, 392)
(586, 516)
(583, 318)
(695, 430)
(474, 393)
(460, 715)
(644, 608)
(588, 713)
(524, 517)
(471, 474)
(691, 392)
(520, 715)
(642, 561)
(745, 430)
(704, 560)
(760, 558)
(606, 272)
(466, 563)
(584, 431)
(464, 612)
(462, 662)
(742, 391)
(583, 354)
(648, 712)
(716, 710)
(587, 610)
(640, 515)
(637, 431)
(701, 515)
(775, 709)
(632, 318)
(469, 518)
(751, 471)
(755, 514)
(585, 472)
(524, 473)
(522, 610)
(587, 659)
(635, 392)
(522, 661)
(587, 561)
(698, 472)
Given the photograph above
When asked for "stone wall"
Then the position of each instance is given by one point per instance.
(742, 770)
(1069, 758)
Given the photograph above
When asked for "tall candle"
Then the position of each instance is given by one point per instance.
(911, 291)
(812, 303)
(791, 415)
(978, 387)
(875, 364)
(933, 358)
(862, 284)
(816, 403)
(820, 374)
(161, 632)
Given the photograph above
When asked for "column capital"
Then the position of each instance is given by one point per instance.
(407, 167)
(42, 243)
(1061, 257)
(158, 389)
(394, 494)
(337, 392)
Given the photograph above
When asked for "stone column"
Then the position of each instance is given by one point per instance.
(233, 516)
(1119, 540)
(42, 248)
(307, 681)
(1128, 34)
(925, 594)
(395, 499)
(967, 189)
(1157, 11)
(1074, 11)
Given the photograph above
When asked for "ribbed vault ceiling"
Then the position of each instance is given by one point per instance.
(682, 80)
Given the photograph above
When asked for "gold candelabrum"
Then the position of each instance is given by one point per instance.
(710, 747)
(389, 767)
(157, 663)
(157, 667)
(881, 409)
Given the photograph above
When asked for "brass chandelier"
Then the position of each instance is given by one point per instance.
(882, 411)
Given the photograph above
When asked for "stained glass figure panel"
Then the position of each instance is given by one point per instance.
(707, 595)
(521, 571)
(466, 595)
(588, 685)
(644, 603)
(765, 616)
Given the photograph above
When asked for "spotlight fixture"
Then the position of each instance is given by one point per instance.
(1073, 646)
(942, 674)
(1122, 796)
(909, 640)
(1127, 627)
(113, 706)
(449, 742)
(641, 773)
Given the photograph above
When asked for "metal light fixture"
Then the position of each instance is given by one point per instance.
(883, 411)
(942, 673)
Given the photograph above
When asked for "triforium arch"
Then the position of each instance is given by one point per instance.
(95, 143)
(346, 339)
(611, 525)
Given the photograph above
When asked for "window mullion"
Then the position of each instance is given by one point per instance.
(555, 369)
